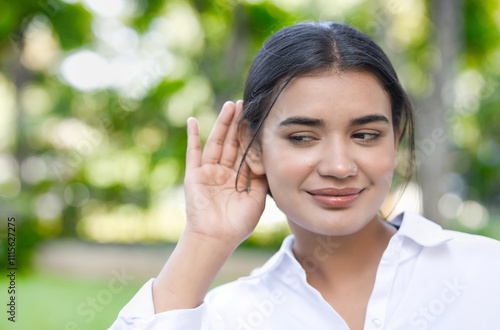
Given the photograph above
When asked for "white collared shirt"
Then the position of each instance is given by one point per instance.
(428, 278)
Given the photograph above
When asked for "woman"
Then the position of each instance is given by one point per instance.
(319, 129)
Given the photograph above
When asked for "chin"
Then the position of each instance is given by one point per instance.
(339, 225)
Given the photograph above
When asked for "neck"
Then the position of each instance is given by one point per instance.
(335, 260)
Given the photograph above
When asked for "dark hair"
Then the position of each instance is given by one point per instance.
(318, 47)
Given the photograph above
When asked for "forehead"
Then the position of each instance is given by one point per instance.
(332, 97)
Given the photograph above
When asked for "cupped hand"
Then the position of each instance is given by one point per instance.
(215, 209)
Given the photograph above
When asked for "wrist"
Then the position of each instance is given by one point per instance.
(223, 246)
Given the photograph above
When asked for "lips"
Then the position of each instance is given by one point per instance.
(336, 198)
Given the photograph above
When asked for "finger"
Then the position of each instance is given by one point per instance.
(231, 144)
(193, 152)
(215, 141)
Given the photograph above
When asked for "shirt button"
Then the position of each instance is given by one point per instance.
(376, 323)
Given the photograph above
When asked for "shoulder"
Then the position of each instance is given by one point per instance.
(475, 254)
(448, 248)
(428, 233)
(446, 262)
(473, 242)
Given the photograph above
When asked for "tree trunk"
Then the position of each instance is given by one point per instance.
(432, 142)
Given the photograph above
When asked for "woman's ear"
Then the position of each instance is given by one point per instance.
(397, 137)
(254, 155)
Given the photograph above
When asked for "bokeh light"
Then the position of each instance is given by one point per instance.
(473, 215)
(33, 170)
(76, 194)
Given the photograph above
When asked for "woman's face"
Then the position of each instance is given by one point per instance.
(328, 150)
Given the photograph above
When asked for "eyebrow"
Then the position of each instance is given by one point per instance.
(306, 121)
(369, 119)
(297, 120)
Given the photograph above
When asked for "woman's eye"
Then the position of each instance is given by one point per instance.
(367, 137)
(300, 138)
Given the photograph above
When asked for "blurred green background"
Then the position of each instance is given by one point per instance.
(94, 96)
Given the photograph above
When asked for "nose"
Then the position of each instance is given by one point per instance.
(337, 161)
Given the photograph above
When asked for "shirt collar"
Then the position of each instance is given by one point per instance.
(411, 225)
(420, 230)
(284, 255)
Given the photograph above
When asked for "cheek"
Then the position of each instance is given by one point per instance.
(380, 167)
(285, 167)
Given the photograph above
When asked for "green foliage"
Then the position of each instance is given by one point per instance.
(481, 32)
(484, 156)
(147, 11)
(72, 25)
(71, 22)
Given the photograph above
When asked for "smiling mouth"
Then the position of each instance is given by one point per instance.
(336, 198)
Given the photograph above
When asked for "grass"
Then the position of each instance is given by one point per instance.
(56, 302)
